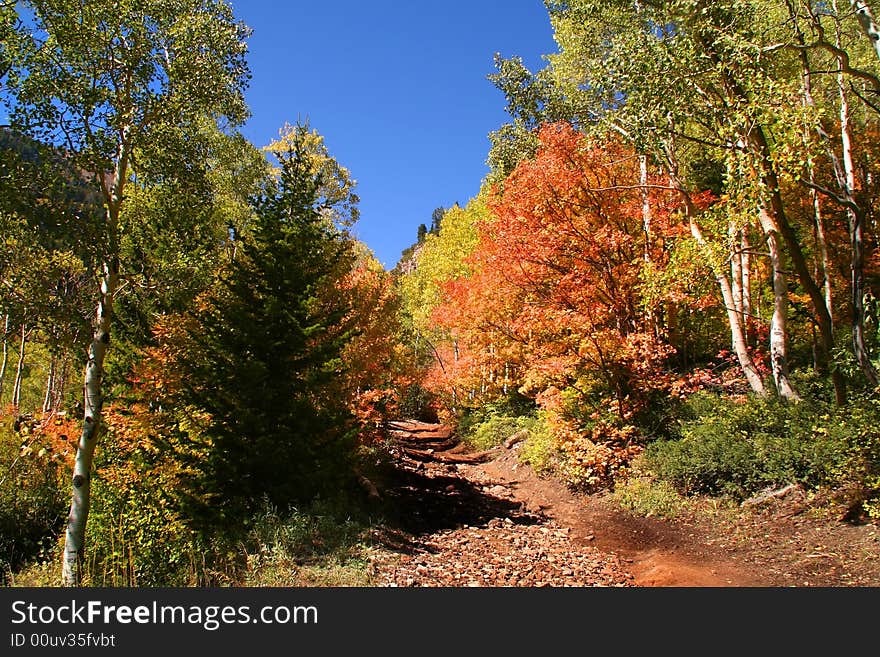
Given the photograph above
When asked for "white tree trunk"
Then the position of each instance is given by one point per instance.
(737, 330)
(93, 392)
(857, 264)
(827, 331)
(4, 361)
(746, 265)
(736, 270)
(19, 370)
(74, 539)
(779, 320)
(48, 398)
(854, 211)
(869, 25)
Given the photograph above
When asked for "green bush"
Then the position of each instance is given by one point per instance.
(496, 429)
(316, 546)
(708, 460)
(541, 449)
(647, 497)
(735, 448)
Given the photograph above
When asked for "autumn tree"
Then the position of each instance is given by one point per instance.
(103, 79)
(565, 236)
(373, 367)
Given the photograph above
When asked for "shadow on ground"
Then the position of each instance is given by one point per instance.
(420, 502)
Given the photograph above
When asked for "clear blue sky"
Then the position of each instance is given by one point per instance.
(398, 88)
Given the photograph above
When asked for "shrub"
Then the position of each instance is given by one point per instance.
(648, 497)
(712, 461)
(320, 545)
(496, 429)
(541, 449)
(593, 460)
(738, 446)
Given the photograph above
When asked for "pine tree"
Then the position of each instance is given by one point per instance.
(264, 353)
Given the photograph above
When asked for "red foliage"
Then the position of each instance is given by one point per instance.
(556, 291)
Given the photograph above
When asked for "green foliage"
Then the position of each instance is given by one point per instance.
(532, 99)
(710, 462)
(498, 428)
(179, 59)
(541, 449)
(648, 498)
(320, 545)
(735, 448)
(260, 358)
(178, 229)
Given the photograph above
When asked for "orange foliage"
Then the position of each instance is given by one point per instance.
(368, 380)
(555, 293)
(52, 436)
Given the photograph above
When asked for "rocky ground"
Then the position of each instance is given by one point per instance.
(483, 519)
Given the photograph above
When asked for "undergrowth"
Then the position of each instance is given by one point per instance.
(734, 448)
(646, 497)
(713, 444)
(319, 545)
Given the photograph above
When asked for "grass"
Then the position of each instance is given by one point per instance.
(650, 498)
(300, 548)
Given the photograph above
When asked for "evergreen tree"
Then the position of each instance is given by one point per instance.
(263, 357)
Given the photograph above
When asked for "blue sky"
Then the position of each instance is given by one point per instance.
(397, 88)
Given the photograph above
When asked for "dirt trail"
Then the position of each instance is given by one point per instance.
(484, 519)
(656, 552)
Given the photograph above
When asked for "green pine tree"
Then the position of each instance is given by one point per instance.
(265, 354)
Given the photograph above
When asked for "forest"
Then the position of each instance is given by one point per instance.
(664, 290)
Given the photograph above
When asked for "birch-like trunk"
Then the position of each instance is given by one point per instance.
(737, 332)
(19, 370)
(776, 210)
(869, 25)
(856, 217)
(4, 360)
(745, 260)
(93, 402)
(48, 398)
(734, 319)
(779, 319)
(93, 392)
(825, 315)
(736, 270)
